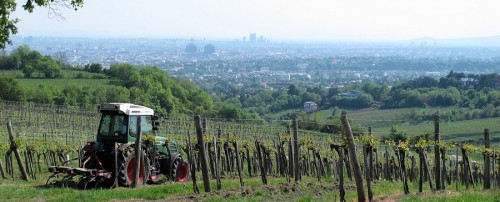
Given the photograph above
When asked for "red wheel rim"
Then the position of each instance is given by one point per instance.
(182, 171)
(130, 170)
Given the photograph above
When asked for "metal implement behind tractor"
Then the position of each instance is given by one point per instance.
(110, 160)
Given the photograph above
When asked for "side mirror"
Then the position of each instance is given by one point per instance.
(156, 125)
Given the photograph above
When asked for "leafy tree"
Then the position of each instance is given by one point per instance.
(398, 135)
(8, 24)
(230, 111)
(42, 94)
(49, 67)
(94, 67)
(10, 90)
(293, 90)
(9, 62)
(28, 71)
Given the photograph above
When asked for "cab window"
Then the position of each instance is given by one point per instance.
(132, 129)
(113, 125)
(146, 125)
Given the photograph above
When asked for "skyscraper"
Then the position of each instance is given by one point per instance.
(253, 38)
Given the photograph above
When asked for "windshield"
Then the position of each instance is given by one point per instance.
(113, 125)
(121, 125)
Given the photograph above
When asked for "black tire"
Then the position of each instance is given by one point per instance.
(180, 170)
(126, 171)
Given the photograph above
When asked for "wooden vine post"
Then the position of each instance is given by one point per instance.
(487, 183)
(2, 171)
(238, 162)
(202, 154)
(368, 142)
(354, 159)
(340, 151)
(193, 164)
(13, 147)
(457, 148)
(217, 160)
(261, 161)
(402, 146)
(494, 172)
(138, 157)
(437, 162)
(296, 149)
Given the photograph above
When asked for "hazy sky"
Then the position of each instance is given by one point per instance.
(359, 20)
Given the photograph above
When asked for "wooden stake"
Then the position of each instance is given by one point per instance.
(296, 149)
(13, 147)
(487, 182)
(138, 157)
(437, 162)
(202, 154)
(354, 159)
(238, 162)
(193, 165)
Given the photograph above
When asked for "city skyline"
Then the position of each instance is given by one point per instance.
(315, 20)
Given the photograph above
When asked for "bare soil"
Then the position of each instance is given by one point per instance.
(275, 192)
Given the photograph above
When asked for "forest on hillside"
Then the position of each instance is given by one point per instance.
(149, 86)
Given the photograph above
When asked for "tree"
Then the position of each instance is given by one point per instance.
(94, 67)
(49, 67)
(397, 134)
(10, 90)
(8, 24)
(292, 90)
(28, 71)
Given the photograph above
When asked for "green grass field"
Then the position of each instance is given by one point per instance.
(277, 190)
(381, 122)
(79, 78)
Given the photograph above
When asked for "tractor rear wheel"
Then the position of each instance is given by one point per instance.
(180, 170)
(126, 172)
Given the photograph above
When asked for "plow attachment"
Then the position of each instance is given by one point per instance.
(64, 176)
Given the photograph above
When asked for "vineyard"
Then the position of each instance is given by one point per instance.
(349, 154)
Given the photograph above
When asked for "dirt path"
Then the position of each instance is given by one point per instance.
(399, 196)
(275, 192)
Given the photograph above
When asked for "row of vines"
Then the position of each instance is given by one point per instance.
(46, 135)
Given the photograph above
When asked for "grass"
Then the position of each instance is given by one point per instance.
(277, 190)
(86, 79)
(382, 120)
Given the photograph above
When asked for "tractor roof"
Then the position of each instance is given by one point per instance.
(126, 108)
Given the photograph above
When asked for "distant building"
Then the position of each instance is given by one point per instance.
(209, 49)
(352, 94)
(467, 81)
(310, 106)
(191, 48)
(253, 38)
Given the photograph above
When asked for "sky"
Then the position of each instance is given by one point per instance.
(310, 20)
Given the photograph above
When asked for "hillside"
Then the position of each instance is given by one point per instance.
(147, 86)
(381, 121)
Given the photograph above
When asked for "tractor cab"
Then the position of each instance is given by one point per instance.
(121, 122)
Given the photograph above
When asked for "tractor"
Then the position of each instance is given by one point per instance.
(109, 160)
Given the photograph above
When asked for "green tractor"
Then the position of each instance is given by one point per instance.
(110, 160)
